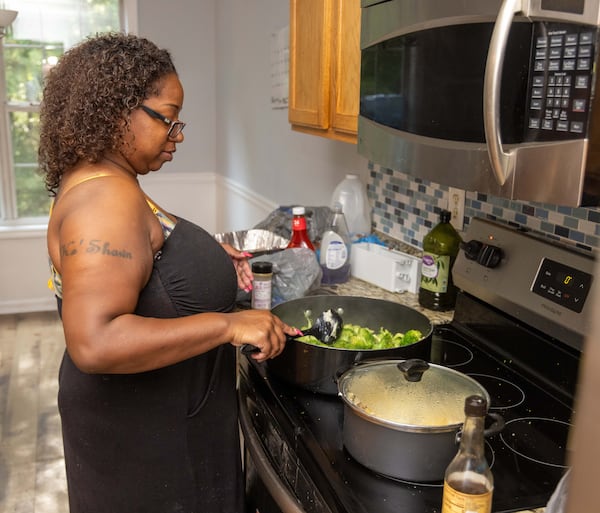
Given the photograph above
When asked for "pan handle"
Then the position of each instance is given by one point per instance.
(250, 349)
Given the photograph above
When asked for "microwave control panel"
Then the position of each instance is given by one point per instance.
(561, 75)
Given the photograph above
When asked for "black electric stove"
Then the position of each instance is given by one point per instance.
(517, 293)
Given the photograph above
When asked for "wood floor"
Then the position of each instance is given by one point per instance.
(32, 476)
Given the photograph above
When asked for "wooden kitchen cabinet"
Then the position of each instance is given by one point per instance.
(324, 73)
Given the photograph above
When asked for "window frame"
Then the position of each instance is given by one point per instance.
(128, 20)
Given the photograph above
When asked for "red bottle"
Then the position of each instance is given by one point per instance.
(300, 238)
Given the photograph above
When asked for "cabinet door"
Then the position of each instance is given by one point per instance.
(346, 79)
(310, 63)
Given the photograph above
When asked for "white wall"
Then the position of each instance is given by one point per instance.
(24, 271)
(240, 159)
(187, 29)
(255, 146)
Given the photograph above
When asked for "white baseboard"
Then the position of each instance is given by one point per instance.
(47, 304)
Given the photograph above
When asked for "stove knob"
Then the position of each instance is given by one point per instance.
(471, 249)
(490, 256)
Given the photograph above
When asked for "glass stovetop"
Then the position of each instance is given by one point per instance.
(527, 457)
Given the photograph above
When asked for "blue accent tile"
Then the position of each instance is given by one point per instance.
(594, 216)
(580, 213)
(528, 210)
(521, 219)
(592, 241)
(577, 236)
(565, 210)
(571, 222)
(583, 246)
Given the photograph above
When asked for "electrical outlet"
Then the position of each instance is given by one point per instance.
(456, 206)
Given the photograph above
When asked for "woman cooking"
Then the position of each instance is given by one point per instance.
(147, 383)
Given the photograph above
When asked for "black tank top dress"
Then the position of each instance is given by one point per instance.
(164, 441)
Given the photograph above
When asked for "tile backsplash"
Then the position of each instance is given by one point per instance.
(406, 208)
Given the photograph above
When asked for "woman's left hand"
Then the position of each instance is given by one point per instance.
(241, 265)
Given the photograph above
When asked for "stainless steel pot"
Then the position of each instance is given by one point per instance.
(317, 368)
(402, 417)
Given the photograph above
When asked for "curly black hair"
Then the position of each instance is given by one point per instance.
(88, 98)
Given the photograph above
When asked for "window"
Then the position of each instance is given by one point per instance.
(42, 31)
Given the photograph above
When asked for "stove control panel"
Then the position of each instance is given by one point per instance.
(539, 281)
(484, 254)
(562, 284)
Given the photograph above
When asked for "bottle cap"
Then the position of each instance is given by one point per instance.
(475, 406)
(445, 216)
(262, 267)
(298, 211)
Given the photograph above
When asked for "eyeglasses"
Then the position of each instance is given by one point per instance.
(175, 127)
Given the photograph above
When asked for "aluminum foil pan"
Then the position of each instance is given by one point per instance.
(253, 241)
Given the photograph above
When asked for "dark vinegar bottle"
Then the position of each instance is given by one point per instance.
(468, 481)
(300, 238)
(440, 248)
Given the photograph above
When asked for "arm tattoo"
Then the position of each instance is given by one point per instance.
(93, 247)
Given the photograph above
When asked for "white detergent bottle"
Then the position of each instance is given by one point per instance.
(334, 255)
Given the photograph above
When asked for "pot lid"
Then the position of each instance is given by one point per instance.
(409, 393)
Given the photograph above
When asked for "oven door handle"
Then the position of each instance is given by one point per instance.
(278, 490)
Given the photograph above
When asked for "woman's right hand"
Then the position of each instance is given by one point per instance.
(261, 329)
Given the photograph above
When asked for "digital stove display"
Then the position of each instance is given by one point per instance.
(562, 284)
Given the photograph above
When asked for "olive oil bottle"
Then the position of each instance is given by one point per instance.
(440, 248)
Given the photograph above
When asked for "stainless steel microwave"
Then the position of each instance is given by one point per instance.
(499, 97)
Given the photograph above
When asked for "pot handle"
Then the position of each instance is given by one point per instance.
(494, 429)
(413, 369)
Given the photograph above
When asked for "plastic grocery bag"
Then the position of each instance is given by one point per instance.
(296, 272)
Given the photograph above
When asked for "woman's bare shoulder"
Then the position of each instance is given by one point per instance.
(102, 207)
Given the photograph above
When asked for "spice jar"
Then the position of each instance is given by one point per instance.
(261, 287)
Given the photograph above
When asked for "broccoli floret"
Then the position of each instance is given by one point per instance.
(411, 336)
(357, 337)
(385, 340)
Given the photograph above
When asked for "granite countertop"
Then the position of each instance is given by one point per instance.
(356, 287)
